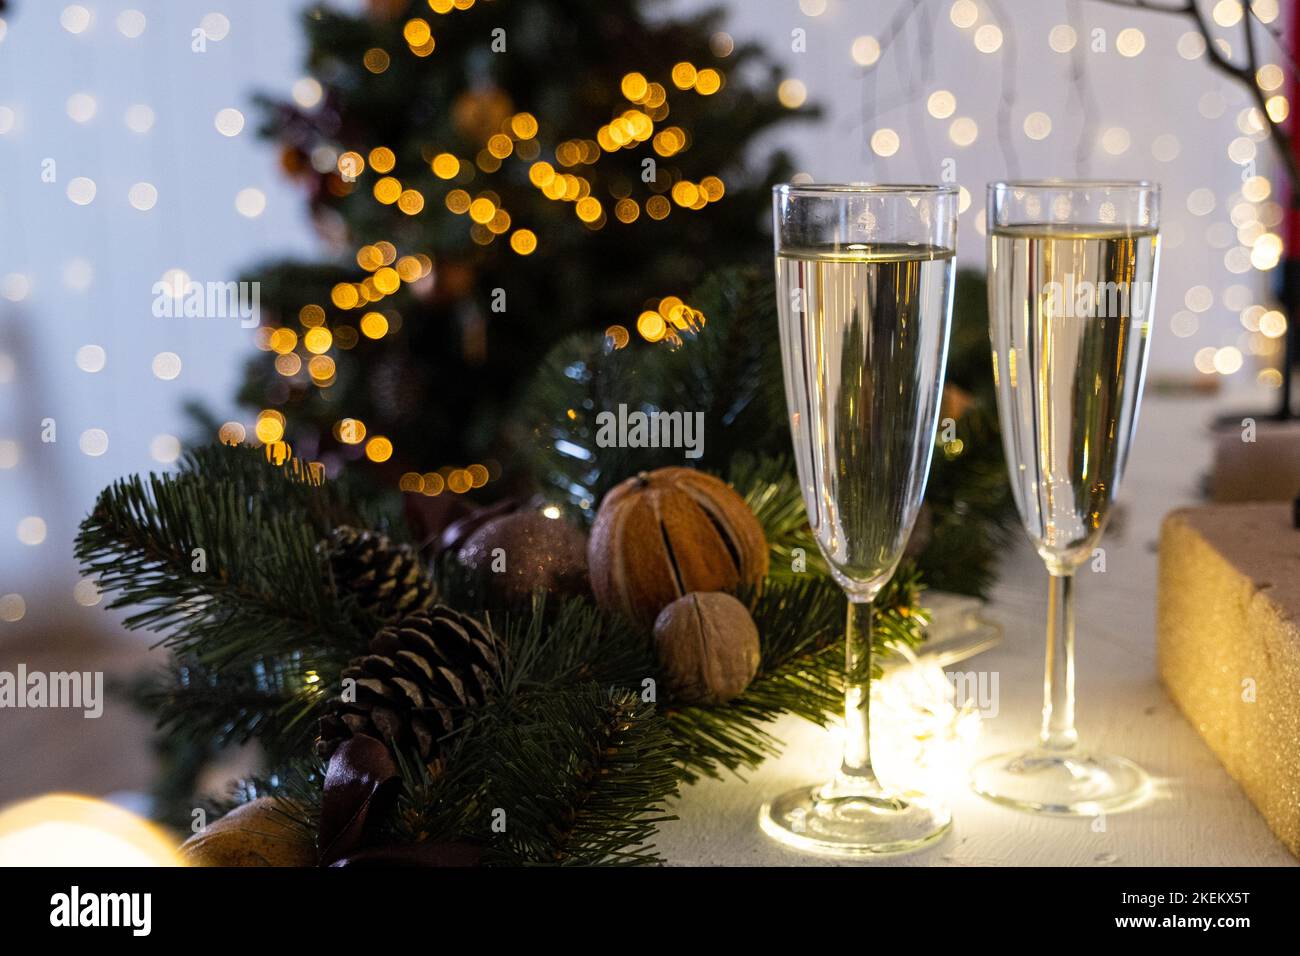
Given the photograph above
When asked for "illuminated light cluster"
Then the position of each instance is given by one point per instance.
(617, 337)
(349, 431)
(791, 93)
(418, 36)
(379, 449)
(231, 433)
(626, 131)
(885, 142)
(446, 6)
(664, 320)
(865, 50)
(456, 481)
(1227, 360)
(269, 427)
(670, 141)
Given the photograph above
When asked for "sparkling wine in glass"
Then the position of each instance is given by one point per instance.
(1072, 278)
(864, 284)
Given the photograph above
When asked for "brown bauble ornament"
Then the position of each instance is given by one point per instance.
(708, 647)
(539, 552)
(255, 834)
(665, 533)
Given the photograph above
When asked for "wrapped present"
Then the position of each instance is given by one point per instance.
(1228, 633)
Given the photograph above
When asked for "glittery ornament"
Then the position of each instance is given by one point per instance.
(517, 553)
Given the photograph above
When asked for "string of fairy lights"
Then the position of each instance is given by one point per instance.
(569, 176)
(1242, 226)
(1248, 241)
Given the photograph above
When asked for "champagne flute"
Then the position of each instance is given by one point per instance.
(1072, 277)
(864, 286)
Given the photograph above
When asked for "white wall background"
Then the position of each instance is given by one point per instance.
(76, 275)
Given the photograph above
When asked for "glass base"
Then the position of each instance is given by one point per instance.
(1068, 782)
(860, 820)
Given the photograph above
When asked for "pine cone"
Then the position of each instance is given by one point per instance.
(417, 683)
(385, 578)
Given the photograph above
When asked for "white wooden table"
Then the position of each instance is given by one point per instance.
(1198, 815)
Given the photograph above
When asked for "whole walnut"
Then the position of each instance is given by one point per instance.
(662, 534)
(707, 644)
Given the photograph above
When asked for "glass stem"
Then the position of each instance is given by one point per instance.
(856, 765)
(1058, 683)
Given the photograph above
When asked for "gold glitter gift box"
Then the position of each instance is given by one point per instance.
(1228, 642)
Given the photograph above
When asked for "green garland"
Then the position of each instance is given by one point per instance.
(220, 559)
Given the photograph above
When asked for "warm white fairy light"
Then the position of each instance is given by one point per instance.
(78, 273)
(1062, 38)
(93, 442)
(1242, 150)
(1211, 105)
(10, 454)
(81, 107)
(885, 142)
(307, 92)
(865, 50)
(91, 358)
(215, 26)
(1256, 189)
(8, 119)
(791, 93)
(988, 38)
(964, 14)
(165, 449)
(166, 365)
(812, 8)
(143, 196)
(1191, 45)
(1236, 297)
(1227, 360)
(1184, 324)
(12, 608)
(941, 104)
(1130, 42)
(1166, 147)
(250, 202)
(229, 121)
(86, 592)
(922, 737)
(1272, 324)
(139, 118)
(1200, 202)
(1038, 126)
(32, 531)
(1116, 140)
(1227, 13)
(131, 23)
(75, 18)
(81, 190)
(963, 131)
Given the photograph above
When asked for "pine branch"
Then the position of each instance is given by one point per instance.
(221, 558)
(582, 780)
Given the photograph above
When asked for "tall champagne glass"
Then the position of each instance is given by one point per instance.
(864, 285)
(1072, 277)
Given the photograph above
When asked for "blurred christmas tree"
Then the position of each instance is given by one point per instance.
(489, 177)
